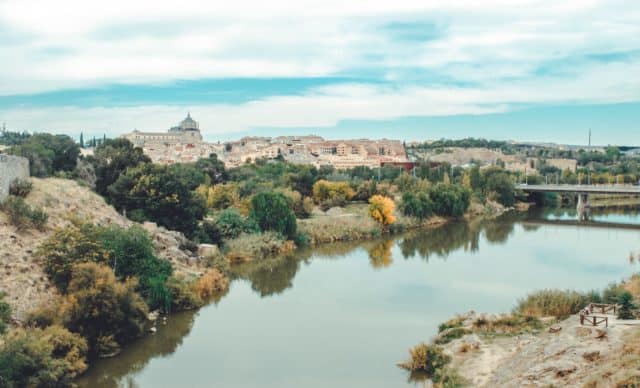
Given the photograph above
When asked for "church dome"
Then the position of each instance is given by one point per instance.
(189, 124)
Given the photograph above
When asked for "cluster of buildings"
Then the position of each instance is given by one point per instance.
(184, 143)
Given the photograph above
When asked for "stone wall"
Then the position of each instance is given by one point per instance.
(11, 168)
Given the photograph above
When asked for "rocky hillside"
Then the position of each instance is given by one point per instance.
(565, 354)
(22, 277)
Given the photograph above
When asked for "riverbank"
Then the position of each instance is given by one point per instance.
(544, 351)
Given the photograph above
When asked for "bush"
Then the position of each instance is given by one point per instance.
(427, 359)
(451, 334)
(231, 224)
(330, 194)
(449, 200)
(5, 314)
(417, 205)
(208, 233)
(557, 303)
(48, 153)
(250, 246)
(162, 194)
(183, 295)
(65, 248)
(212, 283)
(20, 188)
(52, 357)
(131, 255)
(101, 309)
(271, 212)
(625, 300)
(381, 209)
(507, 325)
(23, 216)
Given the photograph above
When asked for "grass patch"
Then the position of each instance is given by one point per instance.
(507, 325)
(23, 216)
(557, 303)
(451, 334)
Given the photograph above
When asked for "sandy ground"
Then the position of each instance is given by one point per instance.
(570, 357)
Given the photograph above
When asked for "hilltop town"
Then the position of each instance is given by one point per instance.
(184, 143)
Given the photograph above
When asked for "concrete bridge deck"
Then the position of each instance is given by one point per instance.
(581, 189)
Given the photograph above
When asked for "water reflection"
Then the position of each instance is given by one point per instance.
(355, 308)
(112, 372)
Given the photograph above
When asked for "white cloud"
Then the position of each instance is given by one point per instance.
(492, 47)
(327, 106)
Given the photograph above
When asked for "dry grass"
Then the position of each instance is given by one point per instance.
(256, 246)
(620, 369)
(557, 303)
(506, 325)
(210, 284)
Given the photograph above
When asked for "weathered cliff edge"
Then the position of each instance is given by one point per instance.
(22, 276)
(563, 354)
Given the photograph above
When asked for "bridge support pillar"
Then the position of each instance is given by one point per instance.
(583, 207)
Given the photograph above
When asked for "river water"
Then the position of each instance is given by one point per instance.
(343, 315)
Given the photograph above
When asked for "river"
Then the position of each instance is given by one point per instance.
(342, 315)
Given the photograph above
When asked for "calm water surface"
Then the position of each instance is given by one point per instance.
(344, 315)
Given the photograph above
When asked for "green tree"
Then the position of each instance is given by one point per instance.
(417, 205)
(162, 194)
(213, 168)
(449, 200)
(625, 300)
(112, 158)
(48, 153)
(271, 211)
(500, 183)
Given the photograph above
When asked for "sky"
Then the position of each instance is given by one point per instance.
(528, 70)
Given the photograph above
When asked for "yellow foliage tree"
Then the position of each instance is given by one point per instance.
(332, 193)
(381, 209)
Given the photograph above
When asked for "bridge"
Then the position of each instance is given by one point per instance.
(582, 191)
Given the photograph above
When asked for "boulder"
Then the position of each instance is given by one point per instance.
(208, 250)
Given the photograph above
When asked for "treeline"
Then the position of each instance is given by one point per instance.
(466, 143)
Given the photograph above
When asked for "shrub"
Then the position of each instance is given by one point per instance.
(451, 334)
(251, 246)
(451, 323)
(131, 255)
(20, 188)
(426, 358)
(65, 248)
(5, 314)
(183, 295)
(329, 194)
(213, 282)
(417, 205)
(381, 209)
(507, 325)
(557, 303)
(52, 357)
(220, 196)
(98, 308)
(48, 153)
(450, 200)
(23, 216)
(208, 233)
(271, 212)
(162, 194)
(231, 224)
(625, 300)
